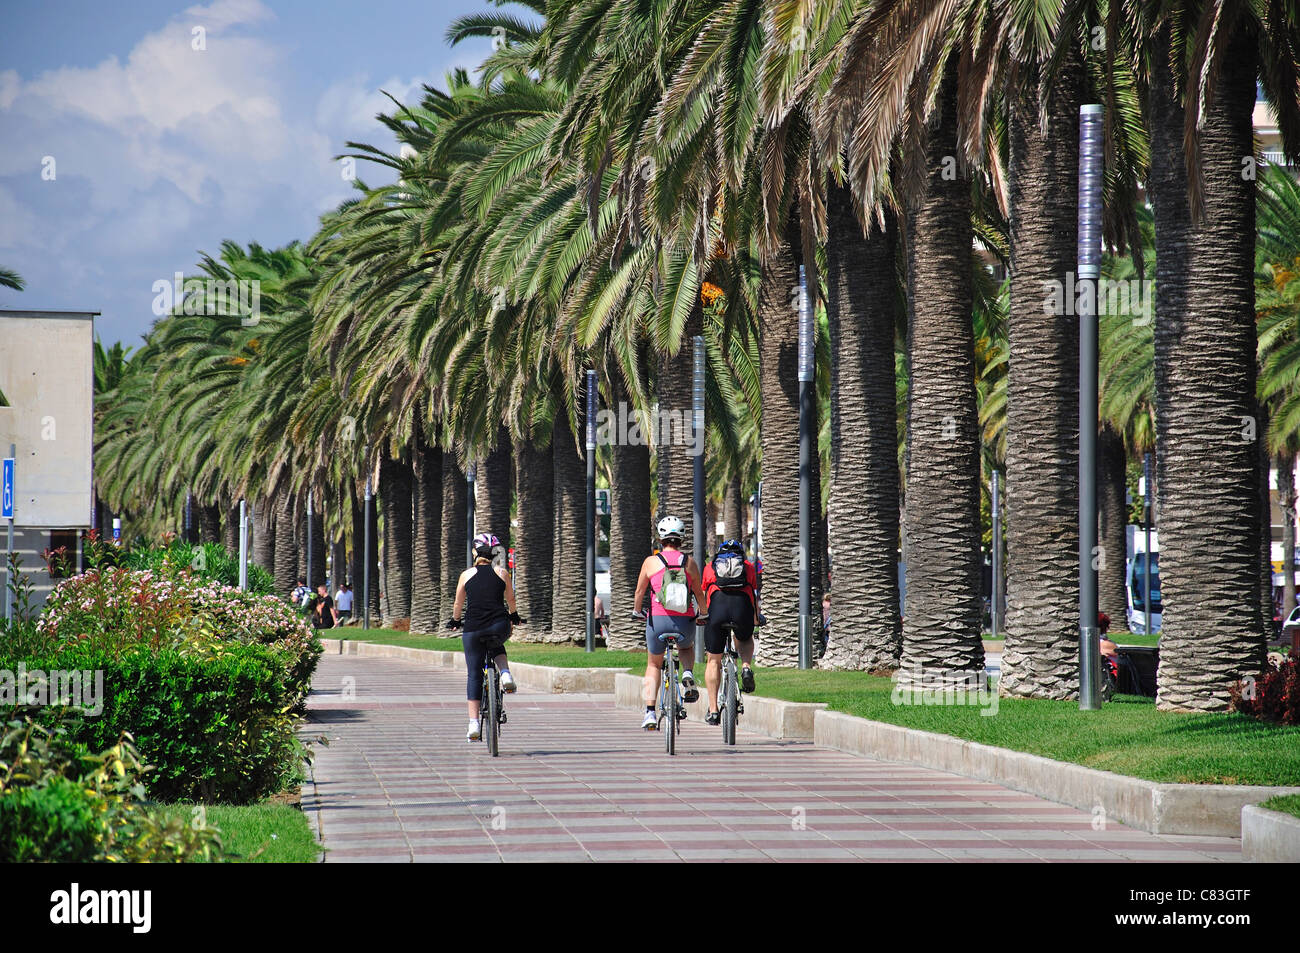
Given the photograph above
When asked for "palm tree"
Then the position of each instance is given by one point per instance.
(1203, 64)
(11, 279)
(395, 479)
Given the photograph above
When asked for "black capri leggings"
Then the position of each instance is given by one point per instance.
(478, 644)
(728, 608)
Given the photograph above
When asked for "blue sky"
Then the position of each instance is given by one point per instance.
(125, 151)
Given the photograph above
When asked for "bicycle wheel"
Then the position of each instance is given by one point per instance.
(491, 726)
(729, 703)
(670, 700)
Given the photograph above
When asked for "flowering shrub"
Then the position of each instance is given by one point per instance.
(116, 609)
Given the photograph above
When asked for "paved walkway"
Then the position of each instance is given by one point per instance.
(578, 780)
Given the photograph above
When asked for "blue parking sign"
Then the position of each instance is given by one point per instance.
(8, 510)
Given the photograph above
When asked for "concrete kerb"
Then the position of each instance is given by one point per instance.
(1205, 809)
(1269, 837)
(543, 678)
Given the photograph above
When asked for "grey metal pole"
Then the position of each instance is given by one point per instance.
(309, 540)
(806, 437)
(243, 544)
(9, 551)
(365, 560)
(1089, 270)
(470, 513)
(590, 614)
(1146, 556)
(995, 597)
(697, 426)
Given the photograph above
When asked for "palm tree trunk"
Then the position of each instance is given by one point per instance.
(1041, 654)
(733, 510)
(1287, 497)
(942, 619)
(395, 491)
(1205, 395)
(455, 520)
(494, 489)
(535, 483)
(862, 307)
(630, 531)
(358, 536)
(286, 552)
(208, 517)
(230, 530)
(778, 351)
(318, 544)
(569, 561)
(1112, 525)
(264, 534)
(674, 454)
(426, 561)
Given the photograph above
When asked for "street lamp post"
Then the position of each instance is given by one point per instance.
(1089, 270)
(995, 598)
(243, 544)
(470, 514)
(697, 437)
(591, 512)
(309, 539)
(1146, 556)
(806, 437)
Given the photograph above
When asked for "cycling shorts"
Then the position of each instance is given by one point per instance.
(728, 608)
(659, 625)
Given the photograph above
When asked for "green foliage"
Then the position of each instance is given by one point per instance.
(215, 722)
(59, 803)
(177, 558)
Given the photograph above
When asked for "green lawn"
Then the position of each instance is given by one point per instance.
(1128, 736)
(1289, 804)
(1119, 638)
(261, 833)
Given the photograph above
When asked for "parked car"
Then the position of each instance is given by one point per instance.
(1137, 603)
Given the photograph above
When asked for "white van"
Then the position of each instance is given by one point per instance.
(1136, 581)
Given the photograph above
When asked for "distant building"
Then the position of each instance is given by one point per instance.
(47, 395)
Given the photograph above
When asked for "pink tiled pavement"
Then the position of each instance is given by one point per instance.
(578, 780)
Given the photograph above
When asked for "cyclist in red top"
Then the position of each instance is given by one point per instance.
(732, 600)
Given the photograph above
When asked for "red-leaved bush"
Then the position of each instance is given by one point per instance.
(1275, 696)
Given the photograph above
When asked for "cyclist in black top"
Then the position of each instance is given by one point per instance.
(487, 595)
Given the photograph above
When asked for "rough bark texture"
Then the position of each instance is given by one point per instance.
(1041, 655)
(318, 547)
(395, 480)
(942, 619)
(862, 280)
(569, 561)
(1286, 497)
(494, 489)
(455, 516)
(427, 613)
(779, 438)
(630, 530)
(338, 561)
(535, 485)
(263, 552)
(356, 567)
(286, 552)
(1205, 396)
(208, 522)
(230, 530)
(1112, 527)
(674, 449)
(734, 509)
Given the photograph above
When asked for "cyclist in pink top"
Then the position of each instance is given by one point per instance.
(664, 618)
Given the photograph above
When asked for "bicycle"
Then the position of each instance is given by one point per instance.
(491, 720)
(669, 695)
(730, 706)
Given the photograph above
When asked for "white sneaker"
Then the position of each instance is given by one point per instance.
(474, 733)
(508, 683)
(689, 692)
(650, 722)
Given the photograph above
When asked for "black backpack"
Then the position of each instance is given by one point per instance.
(729, 570)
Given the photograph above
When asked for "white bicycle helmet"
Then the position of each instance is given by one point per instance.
(671, 526)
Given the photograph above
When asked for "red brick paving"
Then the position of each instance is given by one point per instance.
(578, 780)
